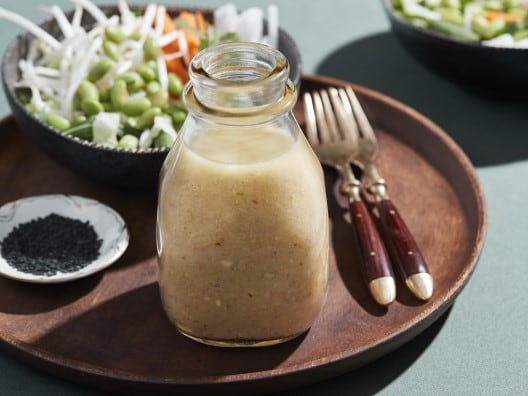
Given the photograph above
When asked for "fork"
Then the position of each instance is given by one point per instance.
(397, 237)
(335, 146)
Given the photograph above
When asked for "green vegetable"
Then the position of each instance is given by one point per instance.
(78, 120)
(147, 118)
(520, 34)
(453, 30)
(100, 69)
(91, 107)
(87, 90)
(150, 49)
(82, 131)
(177, 114)
(136, 106)
(129, 142)
(163, 140)
(133, 81)
(451, 3)
(157, 96)
(487, 19)
(147, 72)
(111, 50)
(175, 84)
(115, 34)
(493, 5)
(57, 121)
(119, 94)
(452, 15)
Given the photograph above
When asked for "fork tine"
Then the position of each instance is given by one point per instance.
(311, 124)
(345, 116)
(320, 117)
(364, 125)
(330, 117)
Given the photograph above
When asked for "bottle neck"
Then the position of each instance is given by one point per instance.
(239, 79)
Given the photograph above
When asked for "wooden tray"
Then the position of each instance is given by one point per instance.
(109, 330)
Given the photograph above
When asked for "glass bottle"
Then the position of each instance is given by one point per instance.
(242, 230)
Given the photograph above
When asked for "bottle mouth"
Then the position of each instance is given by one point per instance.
(237, 76)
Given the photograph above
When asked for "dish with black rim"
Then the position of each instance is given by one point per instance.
(107, 224)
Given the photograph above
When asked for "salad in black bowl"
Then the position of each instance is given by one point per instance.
(482, 45)
(98, 88)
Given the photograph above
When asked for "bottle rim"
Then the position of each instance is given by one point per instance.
(238, 77)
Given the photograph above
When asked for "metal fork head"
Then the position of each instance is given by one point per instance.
(337, 127)
(329, 128)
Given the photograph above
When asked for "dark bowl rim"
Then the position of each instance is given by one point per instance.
(389, 9)
(10, 89)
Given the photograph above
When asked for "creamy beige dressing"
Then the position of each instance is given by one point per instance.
(243, 235)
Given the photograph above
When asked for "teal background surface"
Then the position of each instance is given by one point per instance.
(480, 346)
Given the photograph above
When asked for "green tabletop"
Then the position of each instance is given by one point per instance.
(480, 346)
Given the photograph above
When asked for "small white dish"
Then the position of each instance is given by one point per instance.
(107, 223)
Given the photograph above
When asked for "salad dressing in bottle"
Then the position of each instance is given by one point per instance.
(242, 228)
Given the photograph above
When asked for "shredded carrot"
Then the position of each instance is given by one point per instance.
(505, 16)
(176, 66)
(168, 26)
(195, 20)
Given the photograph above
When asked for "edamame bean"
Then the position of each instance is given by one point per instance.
(153, 88)
(115, 34)
(451, 15)
(136, 106)
(177, 114)
(129, 142)
(150, 49)
(87, 90)
(146, 119)
(100, 69)
(428, 3)
(157, 96)
(57, 121)
(511, 4)
(135, 35)
(163, 140)
(493, 5)
(111, 50)
(485, 29)
(78, 120)
(159, 99)
(133, 81)
(147, 73)
(91, 107)
(119, 94)
(175, 84)
(451, 3)
(520, 34)
(452, 30)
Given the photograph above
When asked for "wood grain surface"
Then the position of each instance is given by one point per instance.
(109, 330)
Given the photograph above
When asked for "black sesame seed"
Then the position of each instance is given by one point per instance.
(45, 246)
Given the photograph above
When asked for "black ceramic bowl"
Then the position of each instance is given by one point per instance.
(134, 169)
(488, 70)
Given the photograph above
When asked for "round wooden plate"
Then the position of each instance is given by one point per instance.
(109, 330)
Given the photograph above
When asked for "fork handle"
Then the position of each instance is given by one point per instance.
(404, 250)
(375, 262)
